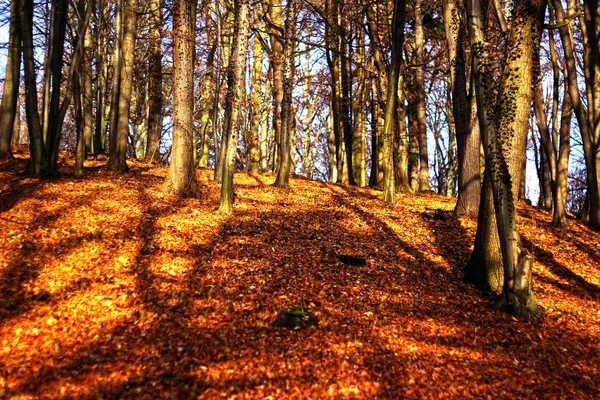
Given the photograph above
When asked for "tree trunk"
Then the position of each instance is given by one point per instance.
(115, 90)
(287, 117)
(389, 181)
(118, 160)
(10, 92)
(420, 94)
(38, 161)
(181, 180)
(235, 80)
(253, 142)
(469, 180)
(505, 135)
(155, 96)
(360, 127)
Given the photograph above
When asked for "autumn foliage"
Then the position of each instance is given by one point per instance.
(109, 288)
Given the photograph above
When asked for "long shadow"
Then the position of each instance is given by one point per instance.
(210, 334)
(578, 286)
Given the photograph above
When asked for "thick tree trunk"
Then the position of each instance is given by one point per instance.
(504, 136)
(235, 80)
(467, 133)
(275, 29)
(181, 180)
(10, 92)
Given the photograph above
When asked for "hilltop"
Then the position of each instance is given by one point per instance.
(109, 288)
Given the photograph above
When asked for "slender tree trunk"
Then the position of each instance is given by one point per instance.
(420, 89)
(86, 75)
(10, 92)
(235, 79)
(389, 181)
(253, 152)
(155, 95)
(118, 160)
(275, 29)
(115, 84)
(401, 141)
(360, 128)
(38, 161)
(287, 117)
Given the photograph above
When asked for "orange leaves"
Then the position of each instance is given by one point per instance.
(109, 288)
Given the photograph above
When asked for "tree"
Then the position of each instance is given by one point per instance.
(118, 156)
(504, 130)
(155, 87)
(235, 80)
(287, 117)
(467, 131)
(389, 189)
(181, 180)
(10, 92)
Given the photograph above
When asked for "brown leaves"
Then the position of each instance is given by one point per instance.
(108, 288)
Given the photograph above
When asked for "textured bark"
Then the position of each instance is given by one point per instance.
(155, 95)
(118, 159)
(420, 94)
(235, 80)
(10, 92)
(467, 133)
(287, 117)
(181, 179)
(505, 134)
(389, 181)
(401, 141)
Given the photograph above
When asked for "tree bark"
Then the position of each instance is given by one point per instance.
(287, 117)
(420, 94)
(118, 159)
(10, 92)
(155, 87)
(181, 180)
(469, 180)
(235, 80)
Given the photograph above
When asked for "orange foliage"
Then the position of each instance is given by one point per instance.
(108, 288)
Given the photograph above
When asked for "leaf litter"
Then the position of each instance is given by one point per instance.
(109, 288)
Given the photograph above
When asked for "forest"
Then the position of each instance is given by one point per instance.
(300, 199)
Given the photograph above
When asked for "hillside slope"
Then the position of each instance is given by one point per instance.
(110, 289)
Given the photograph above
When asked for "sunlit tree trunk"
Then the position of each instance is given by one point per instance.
(235, 80)
(275, 29)
(115, 90)
(118, 160)
(469, 180)
(10, 92)
(420, 89)
(360, 127)
(181, 179)
(504, 129)
(86, 75)
(253, 142)
(287, 117)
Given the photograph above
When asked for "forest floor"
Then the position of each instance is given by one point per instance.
(110, 289)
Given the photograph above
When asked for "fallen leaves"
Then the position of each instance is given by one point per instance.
(108, 289)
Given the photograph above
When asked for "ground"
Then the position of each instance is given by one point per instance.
(110, 289)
